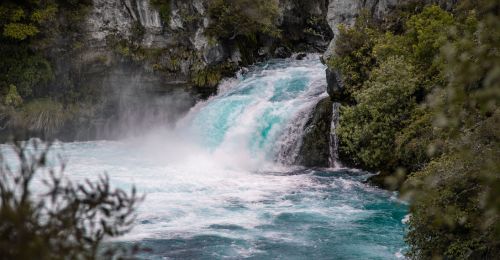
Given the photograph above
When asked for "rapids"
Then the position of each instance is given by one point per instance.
(220, 185)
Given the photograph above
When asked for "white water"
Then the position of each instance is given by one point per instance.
(334, 160)
(219, 186)
(259, 118)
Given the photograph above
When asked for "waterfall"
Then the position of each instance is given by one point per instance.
(291, 139)
(259, 118)
(334, 141)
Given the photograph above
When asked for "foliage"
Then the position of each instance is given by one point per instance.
(12, 98)
(248, 18)
(23, 68)
(419, 141)
(58, 219)
(426, 105)
(455, 206)
(27, 29)
(391, 113)
(41, 115)
(384, 106)
(19, 31)
(425, 32)
(353, 52)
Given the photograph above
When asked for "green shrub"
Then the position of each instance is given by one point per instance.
(212, 75)
(60, 219)
(353, 53)
(427, 31)
(19, 31)
(232, 18)
(384, 106)
(418, 142)
(44, 14)
(42, 115)
(455, 199)
(23, 68)
(12, 98)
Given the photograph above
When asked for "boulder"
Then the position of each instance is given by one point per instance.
(315, 148)
(282, 52)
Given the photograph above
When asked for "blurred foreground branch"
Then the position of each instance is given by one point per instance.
(44, 215)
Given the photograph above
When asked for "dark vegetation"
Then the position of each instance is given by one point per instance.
(43, 215)
(28, 30)
(243, 25)
(421, 105)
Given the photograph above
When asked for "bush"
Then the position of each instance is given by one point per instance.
(455, 205)
(248, 18)
(12, 98)
(19, 31)
(353, 53)
(211, 76)
(24, 69)
(43, 116)
(384, 106)
(62, 219)
(455, 199)
(27, 29)
(427, 32)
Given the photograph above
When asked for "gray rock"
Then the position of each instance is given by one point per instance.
(315, 148)
(263, 51)
(301, 56)
(335, 86)
(282, 52)
(214, 55)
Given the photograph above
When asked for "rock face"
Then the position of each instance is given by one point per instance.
(181, 48)
(335, 86)
(346, 12)
(315, 149)
(125, 53)
(304, 24)
(178, 50)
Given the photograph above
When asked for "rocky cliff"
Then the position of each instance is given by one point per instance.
(117, 63)
(176, 49)
(129, 47)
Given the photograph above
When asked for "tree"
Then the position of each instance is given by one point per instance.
(384, 106)
(455, 203)
(43, 215)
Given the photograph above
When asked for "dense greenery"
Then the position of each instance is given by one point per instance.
(387, 76)
(232, 18)
(422, 93)
(28, 30)
(59, 219)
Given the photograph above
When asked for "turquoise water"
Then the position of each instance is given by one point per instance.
(219, 185)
